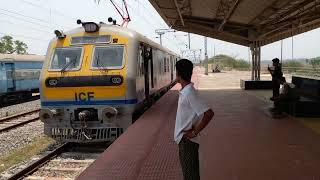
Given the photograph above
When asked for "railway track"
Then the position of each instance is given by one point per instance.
(17, 120)
(19, 101)
(65, 162)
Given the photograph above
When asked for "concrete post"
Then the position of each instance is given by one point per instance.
(206, 55)
(252, 61)
(256, 60)
(259, 61)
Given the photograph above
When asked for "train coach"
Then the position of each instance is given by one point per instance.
(19, 76)
(96, 76)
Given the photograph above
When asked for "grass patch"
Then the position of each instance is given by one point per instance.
(25, 153)
(312, 123)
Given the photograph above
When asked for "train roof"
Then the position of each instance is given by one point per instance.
(21, 57)
(124, 31)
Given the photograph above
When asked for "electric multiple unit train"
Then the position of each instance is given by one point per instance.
(96, 76)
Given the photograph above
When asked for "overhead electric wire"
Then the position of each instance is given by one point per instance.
(164, 24)
(155, 27)
(17, 13)
(150, 13)
(30, 17)
(26, 37)
(21, 19)
(10, 22)
(49, 9)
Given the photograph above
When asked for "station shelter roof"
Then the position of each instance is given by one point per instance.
(241, 21)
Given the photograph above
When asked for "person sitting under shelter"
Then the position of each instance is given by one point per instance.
(287, 95)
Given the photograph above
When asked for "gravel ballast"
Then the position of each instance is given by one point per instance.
(19, 137)
(19, 108)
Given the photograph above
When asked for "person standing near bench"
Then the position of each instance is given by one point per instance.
(276, 74)
(188, 124)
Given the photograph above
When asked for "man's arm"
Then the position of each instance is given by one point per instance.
(270, 71)
(207, 116)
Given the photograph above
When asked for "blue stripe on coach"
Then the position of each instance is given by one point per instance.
(97, 102)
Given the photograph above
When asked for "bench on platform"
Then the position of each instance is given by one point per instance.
(308, 105)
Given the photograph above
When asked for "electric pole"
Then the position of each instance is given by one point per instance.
(206, 55)
(192, 53)
(189, 40)
(161, 32)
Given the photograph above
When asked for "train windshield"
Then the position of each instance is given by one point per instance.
(108, 57)
(66, 59)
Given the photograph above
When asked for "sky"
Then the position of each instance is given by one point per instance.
(34, 21)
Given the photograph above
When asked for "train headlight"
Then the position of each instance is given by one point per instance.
(116, 80)
(109, 114)
(59, 34)
(89, 26)
(47, 114)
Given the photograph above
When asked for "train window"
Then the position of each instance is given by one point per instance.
(160, 67)
(66, 59)
(165, 64)
(108, 57)
(90, 39)
(140, 65)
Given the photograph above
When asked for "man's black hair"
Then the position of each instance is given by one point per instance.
(184, 68)
(275, 60)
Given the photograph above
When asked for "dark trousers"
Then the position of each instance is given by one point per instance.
(189, 159)
(275, 88)
(280, 105)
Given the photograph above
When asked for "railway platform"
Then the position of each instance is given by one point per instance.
(242, 142)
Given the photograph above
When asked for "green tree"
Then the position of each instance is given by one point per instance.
(20, 47)
(225, 61)
(315, 62)
(292, 64)
(8, 46)
(242, 64)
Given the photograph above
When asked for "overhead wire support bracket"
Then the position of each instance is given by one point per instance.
(125, 13)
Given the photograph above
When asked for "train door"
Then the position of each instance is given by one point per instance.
(148, 69)
(171, 67)
(10, 76)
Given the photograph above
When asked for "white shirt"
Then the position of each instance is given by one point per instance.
(289, 84)
(190, 108)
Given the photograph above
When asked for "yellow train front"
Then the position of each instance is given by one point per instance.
(96, 76)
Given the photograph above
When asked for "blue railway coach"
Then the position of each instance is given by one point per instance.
(19, 76)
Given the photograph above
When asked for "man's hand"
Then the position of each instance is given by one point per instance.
(189, 134)
(207, 116)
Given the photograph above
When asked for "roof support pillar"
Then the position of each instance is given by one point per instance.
(256, 60)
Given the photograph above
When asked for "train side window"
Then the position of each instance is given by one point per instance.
(140, 67)
(165, 64)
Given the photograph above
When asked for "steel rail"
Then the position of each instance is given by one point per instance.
(4, 120)
(37, 164)
(17, 115)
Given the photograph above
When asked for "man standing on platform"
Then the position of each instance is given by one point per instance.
(188, 122)
(276, 74)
